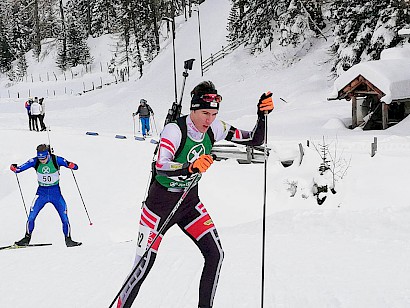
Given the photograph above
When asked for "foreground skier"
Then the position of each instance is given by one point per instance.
(184, 150)
(47, 167)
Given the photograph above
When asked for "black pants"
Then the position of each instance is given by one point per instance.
(41, 118)
(30, 121)
(195, 222)
(34, 122)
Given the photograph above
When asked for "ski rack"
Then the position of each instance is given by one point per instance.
(243, 154)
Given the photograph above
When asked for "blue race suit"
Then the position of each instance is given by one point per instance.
(48, 190)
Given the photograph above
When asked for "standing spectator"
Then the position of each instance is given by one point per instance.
(47, 167)
(144, 111)
(42, 114)
(27, 105)
(35, 110)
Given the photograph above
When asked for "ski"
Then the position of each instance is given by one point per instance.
(14, 246)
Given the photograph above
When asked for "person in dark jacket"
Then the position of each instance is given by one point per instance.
(144, 111)
(42, 114)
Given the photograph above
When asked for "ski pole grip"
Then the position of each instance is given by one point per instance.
(214, 157)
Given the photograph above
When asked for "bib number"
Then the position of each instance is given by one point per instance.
(142, 239)
(47, 178)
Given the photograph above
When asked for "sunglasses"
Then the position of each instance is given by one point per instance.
(209, 98)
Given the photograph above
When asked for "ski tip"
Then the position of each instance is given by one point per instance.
(139, 138)
(120, 137)
(153, 141)
(91, 133)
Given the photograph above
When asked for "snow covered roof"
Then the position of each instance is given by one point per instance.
(391, 74)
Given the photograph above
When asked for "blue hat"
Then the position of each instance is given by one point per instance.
(42, 154)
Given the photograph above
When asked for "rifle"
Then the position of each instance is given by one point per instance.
(173, 114)
(175, 111)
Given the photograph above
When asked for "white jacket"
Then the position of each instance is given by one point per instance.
(35, 108)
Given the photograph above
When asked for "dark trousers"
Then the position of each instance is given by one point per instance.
(193, 219)
(30, 121)
(41, 118)
(34, 120)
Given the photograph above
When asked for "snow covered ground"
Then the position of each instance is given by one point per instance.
(351, 251)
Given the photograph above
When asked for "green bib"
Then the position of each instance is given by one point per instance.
(47, 174)
(189, 153)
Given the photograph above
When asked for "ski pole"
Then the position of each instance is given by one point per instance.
(264, 206)
(133, 122)
(164, 225)
(139, 124)
(155, 125)
(21, 193)
(72, 172)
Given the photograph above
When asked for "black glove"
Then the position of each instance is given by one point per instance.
(265, 104)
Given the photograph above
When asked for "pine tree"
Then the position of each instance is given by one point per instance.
(74, 49)
(105, 17)
(48, 12)
(364, 29)
(21, 67)
(78, 51)
(260, 22)
(20, 25)
(391, 19)
(235, 18)
(62, 57)
(6, 57)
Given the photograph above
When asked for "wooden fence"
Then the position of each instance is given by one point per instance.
(226, 50)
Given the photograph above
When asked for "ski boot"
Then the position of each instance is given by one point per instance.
(24, 241)
(70, 243)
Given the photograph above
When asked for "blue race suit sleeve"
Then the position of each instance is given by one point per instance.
(61, 161)
(28, 164)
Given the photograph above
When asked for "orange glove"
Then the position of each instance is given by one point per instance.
(265, 103)
(201, 164)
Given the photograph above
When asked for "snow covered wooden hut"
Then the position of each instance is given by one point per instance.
(379, 90)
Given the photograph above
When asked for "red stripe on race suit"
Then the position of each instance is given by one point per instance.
(157, 164)
(237, 134)
(200, 226)
(145, 222)
(168, 145)
(157, 241)
(149, 215)
(119, 304)
(202, 208)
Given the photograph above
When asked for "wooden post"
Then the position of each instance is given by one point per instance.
(354, 112)
(302, 153)
(385, 115)
(374, 147)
